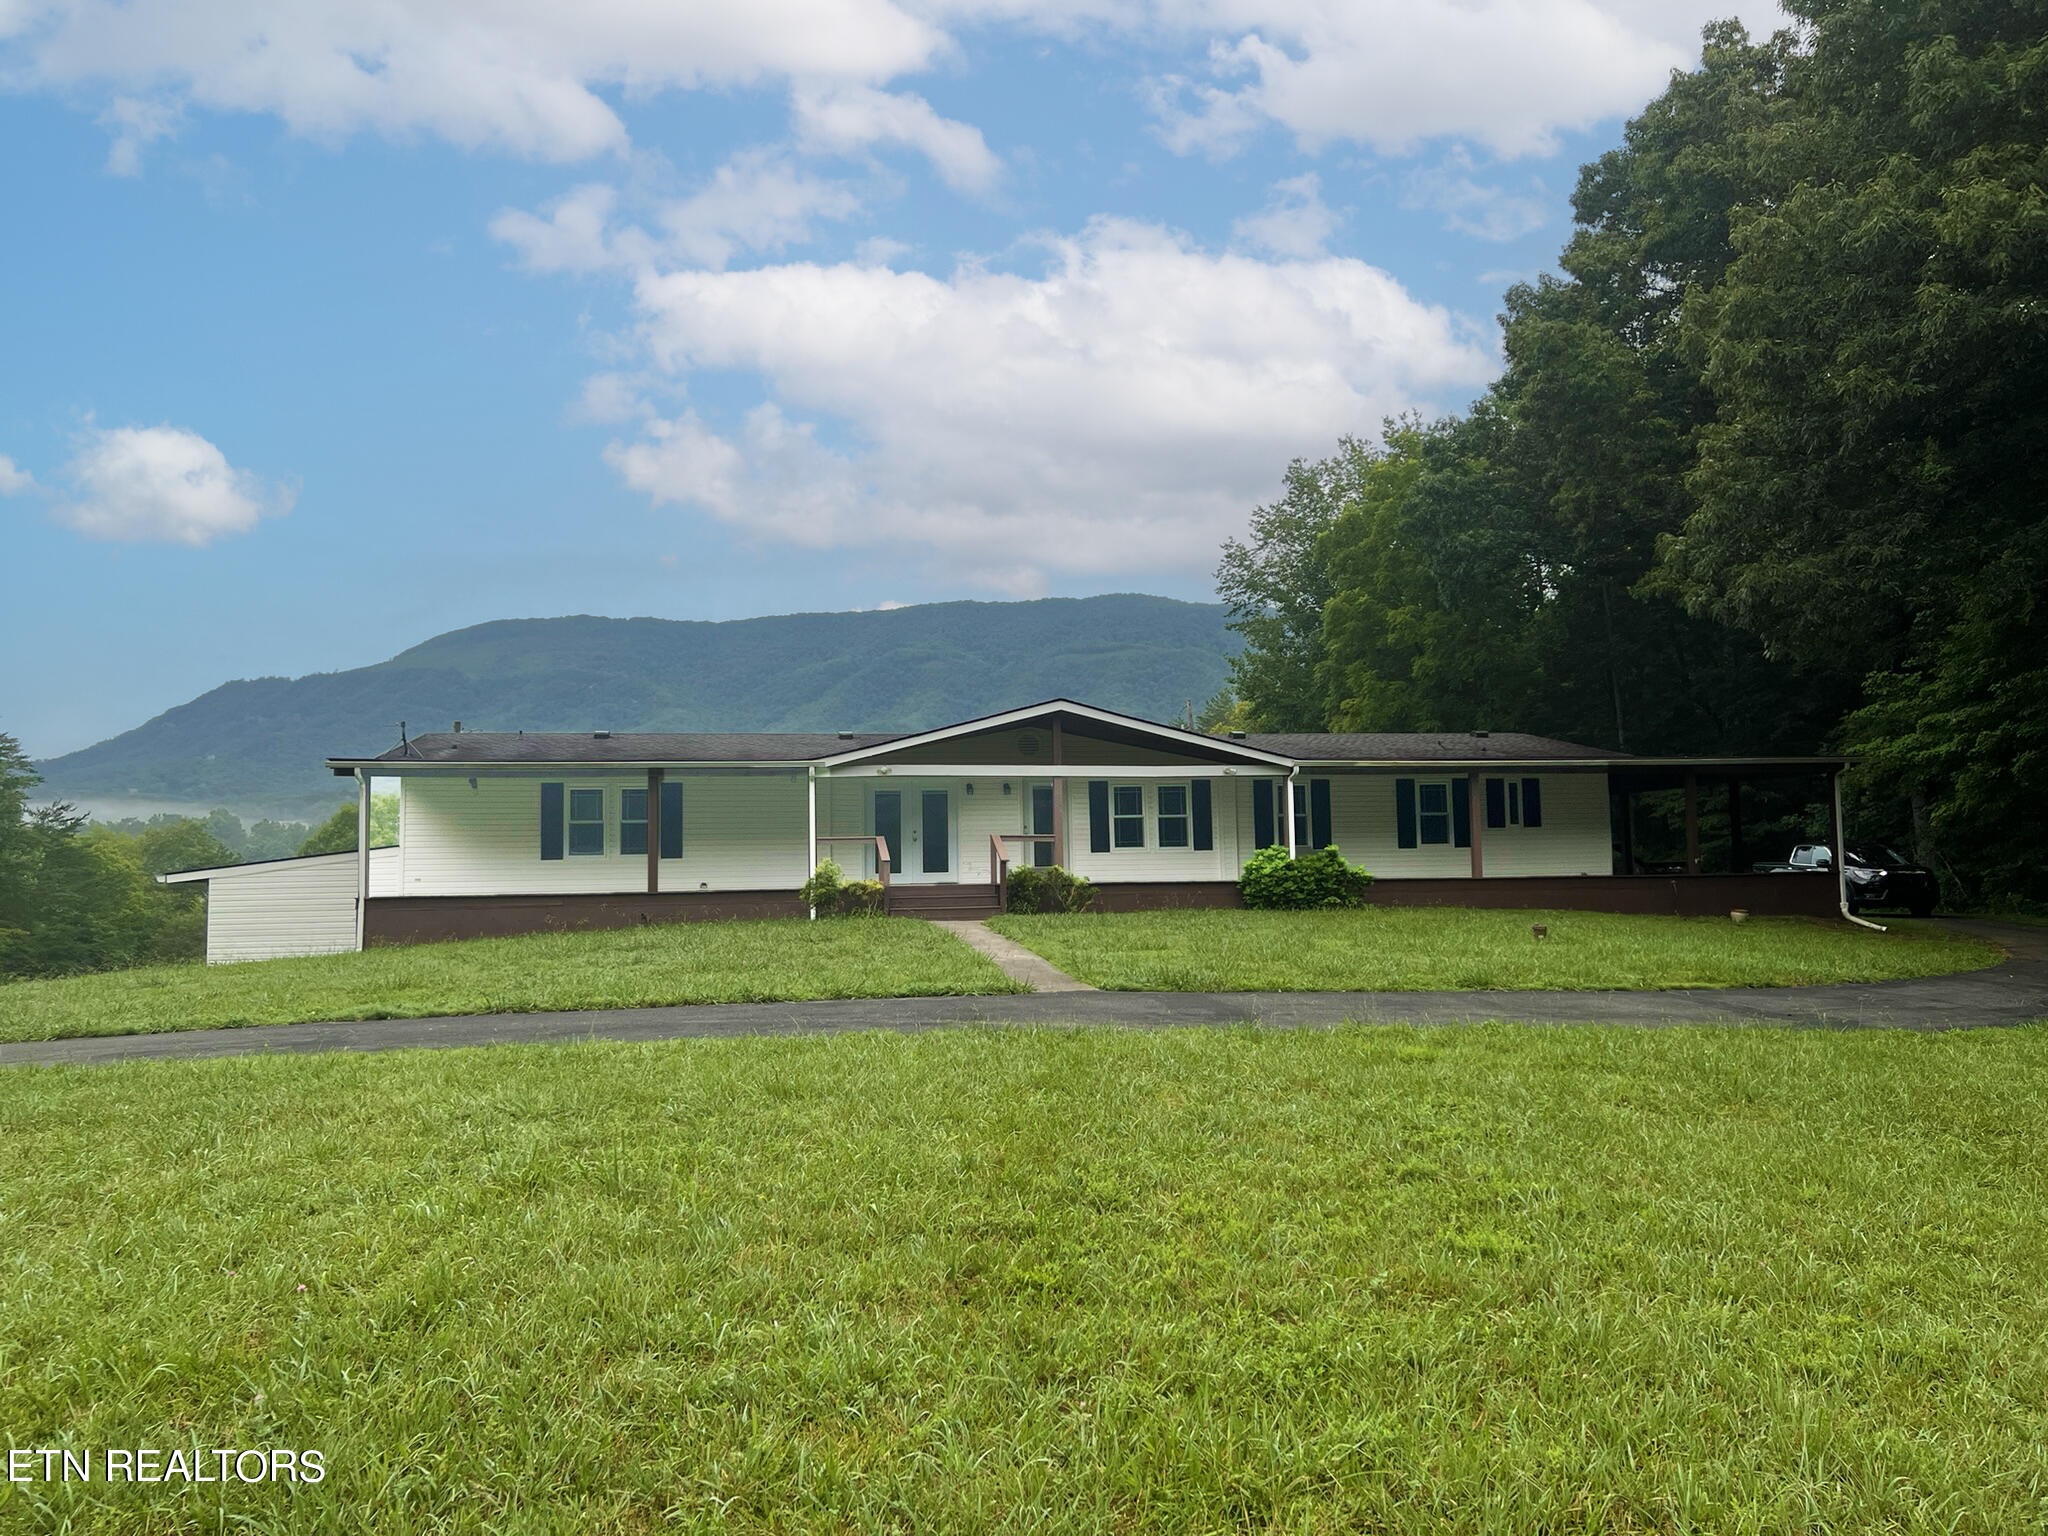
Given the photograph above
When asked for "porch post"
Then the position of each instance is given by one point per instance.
(1692, 821)
(1475, 802)
(1835, 829)
(1287, 807)
(811, 823)
(362, 857)
(1059, 801)
(1736, 863)
(653, 831)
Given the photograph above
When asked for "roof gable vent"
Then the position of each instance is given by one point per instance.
(1027, 745)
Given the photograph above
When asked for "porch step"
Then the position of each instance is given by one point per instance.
(942, 902)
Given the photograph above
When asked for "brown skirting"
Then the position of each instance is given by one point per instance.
(431, 919)
(1790, 895)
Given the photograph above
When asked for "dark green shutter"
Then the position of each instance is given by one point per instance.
(671, 820)
(1496, 802)
(1205, 832)
(1262, 813)
(551, 821)
(1461, 813)
(1532, 802)
(1319, 813)
(1404, 813)
(1098, 815)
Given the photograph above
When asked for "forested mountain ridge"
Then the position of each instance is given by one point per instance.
(257, 745)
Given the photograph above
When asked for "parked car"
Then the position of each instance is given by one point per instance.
(1878, 876)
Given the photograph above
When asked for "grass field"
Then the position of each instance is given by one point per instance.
(1488, 1279)
(732, 962)
(1426, 948)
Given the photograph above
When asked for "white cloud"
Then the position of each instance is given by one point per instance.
(844, 119)
(1294, 222)
(1396, 74)
(163, 485)
(521, 76)
(14, 479)
(756, 201)
(135, 123)
(1119, 411)
(1471, 207)
(541, 79)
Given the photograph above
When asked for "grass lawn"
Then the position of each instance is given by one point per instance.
(1488, 1279)
(1425, 948)
(731, 962)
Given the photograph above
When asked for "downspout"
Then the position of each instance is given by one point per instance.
(1841, 852)
(811, 848)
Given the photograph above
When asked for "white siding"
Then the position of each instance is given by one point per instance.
(741, 832)
(1152, 862)
(1573, 839)
(291, 906)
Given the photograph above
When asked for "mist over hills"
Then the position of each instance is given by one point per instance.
(256, 745)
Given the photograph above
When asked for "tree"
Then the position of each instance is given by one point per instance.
(337, 834)
(1275, 587)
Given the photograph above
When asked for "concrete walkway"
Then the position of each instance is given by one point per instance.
(1012, 958)
(2009, 993)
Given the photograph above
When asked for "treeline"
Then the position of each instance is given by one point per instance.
(79, 896)
(1763, 472)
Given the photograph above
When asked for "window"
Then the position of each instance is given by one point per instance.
(1127, 815)
(1301, 837)
(1433, 812)
(586, 821)
(1514, 803)
(1173, 815)
(633, 821)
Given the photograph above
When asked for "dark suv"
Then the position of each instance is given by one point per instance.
(1883, 877)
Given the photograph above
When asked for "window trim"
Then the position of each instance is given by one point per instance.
(1185, 816)
(1423, 816)
(1116, 842)
(571, 821)
(626, 822)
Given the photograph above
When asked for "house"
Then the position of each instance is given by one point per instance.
(510, 833)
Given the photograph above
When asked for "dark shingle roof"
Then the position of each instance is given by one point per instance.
(1422, 746)
(630, 747)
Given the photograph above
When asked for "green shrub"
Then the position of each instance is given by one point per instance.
(822, 890)
(860, 898)
(1320, 878)
(1048, 888)
(830, 894)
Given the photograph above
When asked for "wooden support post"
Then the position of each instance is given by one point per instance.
(1059, 802)
(362, 857)
(811, 827)
(1737, 864)
(1835, 827)
(1692, 821)
(654, 831)
(1287, 808)
(1475, 813)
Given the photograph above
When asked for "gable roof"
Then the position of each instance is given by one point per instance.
(826, 748)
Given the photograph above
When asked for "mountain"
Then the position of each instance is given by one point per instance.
(256, 746)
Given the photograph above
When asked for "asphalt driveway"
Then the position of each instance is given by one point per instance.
(2010, 993)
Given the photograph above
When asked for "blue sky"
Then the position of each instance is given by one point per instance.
(329, 328)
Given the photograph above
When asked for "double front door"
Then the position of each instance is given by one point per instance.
(919, 835)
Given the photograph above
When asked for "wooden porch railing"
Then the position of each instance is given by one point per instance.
(999, 861)
(881, 853)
